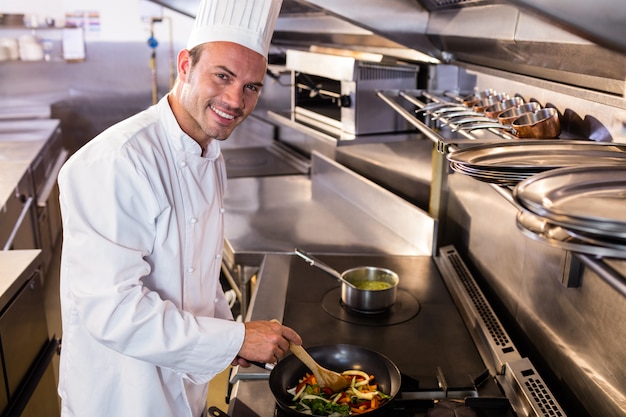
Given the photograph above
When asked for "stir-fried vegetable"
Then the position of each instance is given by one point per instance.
(361, 395)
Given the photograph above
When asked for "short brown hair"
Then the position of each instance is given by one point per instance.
(194, 53)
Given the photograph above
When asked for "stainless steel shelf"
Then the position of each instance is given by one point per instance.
(596, 264)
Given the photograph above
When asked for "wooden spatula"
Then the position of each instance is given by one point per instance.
(325, 377)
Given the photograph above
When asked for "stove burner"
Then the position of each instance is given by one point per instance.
(405, 308)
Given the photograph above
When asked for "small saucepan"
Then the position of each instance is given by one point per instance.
(474, 98)
(489, 101)
(365, 289)
(508, 116)
(495, 109)
(541, 124)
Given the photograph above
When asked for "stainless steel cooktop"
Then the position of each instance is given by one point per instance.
(423, 333)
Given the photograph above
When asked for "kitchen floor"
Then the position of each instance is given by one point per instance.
(218, 387)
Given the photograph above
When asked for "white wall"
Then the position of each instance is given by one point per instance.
(120, 20)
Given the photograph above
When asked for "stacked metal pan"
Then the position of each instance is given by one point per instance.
(508, 163)
(582, 209)
(571, 194)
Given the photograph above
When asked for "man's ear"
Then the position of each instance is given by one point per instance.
(183, 64)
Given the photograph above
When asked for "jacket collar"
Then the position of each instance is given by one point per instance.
(181, 141)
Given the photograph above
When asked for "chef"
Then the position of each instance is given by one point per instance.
(146, 325)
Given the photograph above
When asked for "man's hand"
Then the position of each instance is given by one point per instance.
(265, 341)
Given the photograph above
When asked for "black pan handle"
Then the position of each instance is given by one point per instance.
(266, 366)
(216, 412)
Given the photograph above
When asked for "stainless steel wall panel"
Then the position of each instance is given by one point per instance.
(400, 217)
(573, 331)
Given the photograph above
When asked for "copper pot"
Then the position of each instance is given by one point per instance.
(542, 124)
(474, 98)
(491, 100)
(508, 116)
(494, 110)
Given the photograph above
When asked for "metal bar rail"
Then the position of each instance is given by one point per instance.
(410, 117)
(612, 277)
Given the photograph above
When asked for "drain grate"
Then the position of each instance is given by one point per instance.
(499, 336)
(520, 381)
(537, 394)
(476, 307)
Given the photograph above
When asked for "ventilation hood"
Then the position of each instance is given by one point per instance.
(579, 43)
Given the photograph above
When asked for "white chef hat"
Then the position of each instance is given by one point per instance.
(246, 22)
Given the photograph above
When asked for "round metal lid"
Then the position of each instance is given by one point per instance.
(588, 198)
(532, 156)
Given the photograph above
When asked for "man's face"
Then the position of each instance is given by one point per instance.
(219, 91)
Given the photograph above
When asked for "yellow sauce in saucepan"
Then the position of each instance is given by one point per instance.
(372, 285)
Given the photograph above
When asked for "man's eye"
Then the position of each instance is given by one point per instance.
(252, 87)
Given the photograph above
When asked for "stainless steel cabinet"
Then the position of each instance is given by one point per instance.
(17, 230)
(4, 400)
(27, 354)
(23, 332)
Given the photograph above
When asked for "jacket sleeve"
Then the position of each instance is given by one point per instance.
(109, 217)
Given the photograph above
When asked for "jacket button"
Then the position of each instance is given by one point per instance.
(190, 270)
(183, 164)
(193, 220)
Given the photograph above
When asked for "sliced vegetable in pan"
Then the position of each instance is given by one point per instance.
(361, 395)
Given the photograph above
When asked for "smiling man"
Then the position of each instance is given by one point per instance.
(218, 87)
(146, 325)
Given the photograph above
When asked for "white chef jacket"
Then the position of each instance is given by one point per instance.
(143, 311)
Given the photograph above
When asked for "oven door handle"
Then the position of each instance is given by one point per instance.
(42, 199)
(18, 223)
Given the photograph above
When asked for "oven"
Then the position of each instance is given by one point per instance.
(336, 94)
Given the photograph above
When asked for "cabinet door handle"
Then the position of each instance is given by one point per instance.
(20, 219)
(42, 200)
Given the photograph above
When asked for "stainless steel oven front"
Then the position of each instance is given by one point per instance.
(337, 93)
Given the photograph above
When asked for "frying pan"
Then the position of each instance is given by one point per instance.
(338, 358)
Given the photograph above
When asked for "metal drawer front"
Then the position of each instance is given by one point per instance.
(23, 332)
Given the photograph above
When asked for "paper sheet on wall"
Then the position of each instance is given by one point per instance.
(73, 44)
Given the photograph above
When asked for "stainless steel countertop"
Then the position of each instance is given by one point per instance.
(20, 143)
(328, 212)
(404, 167)
(16, 267)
